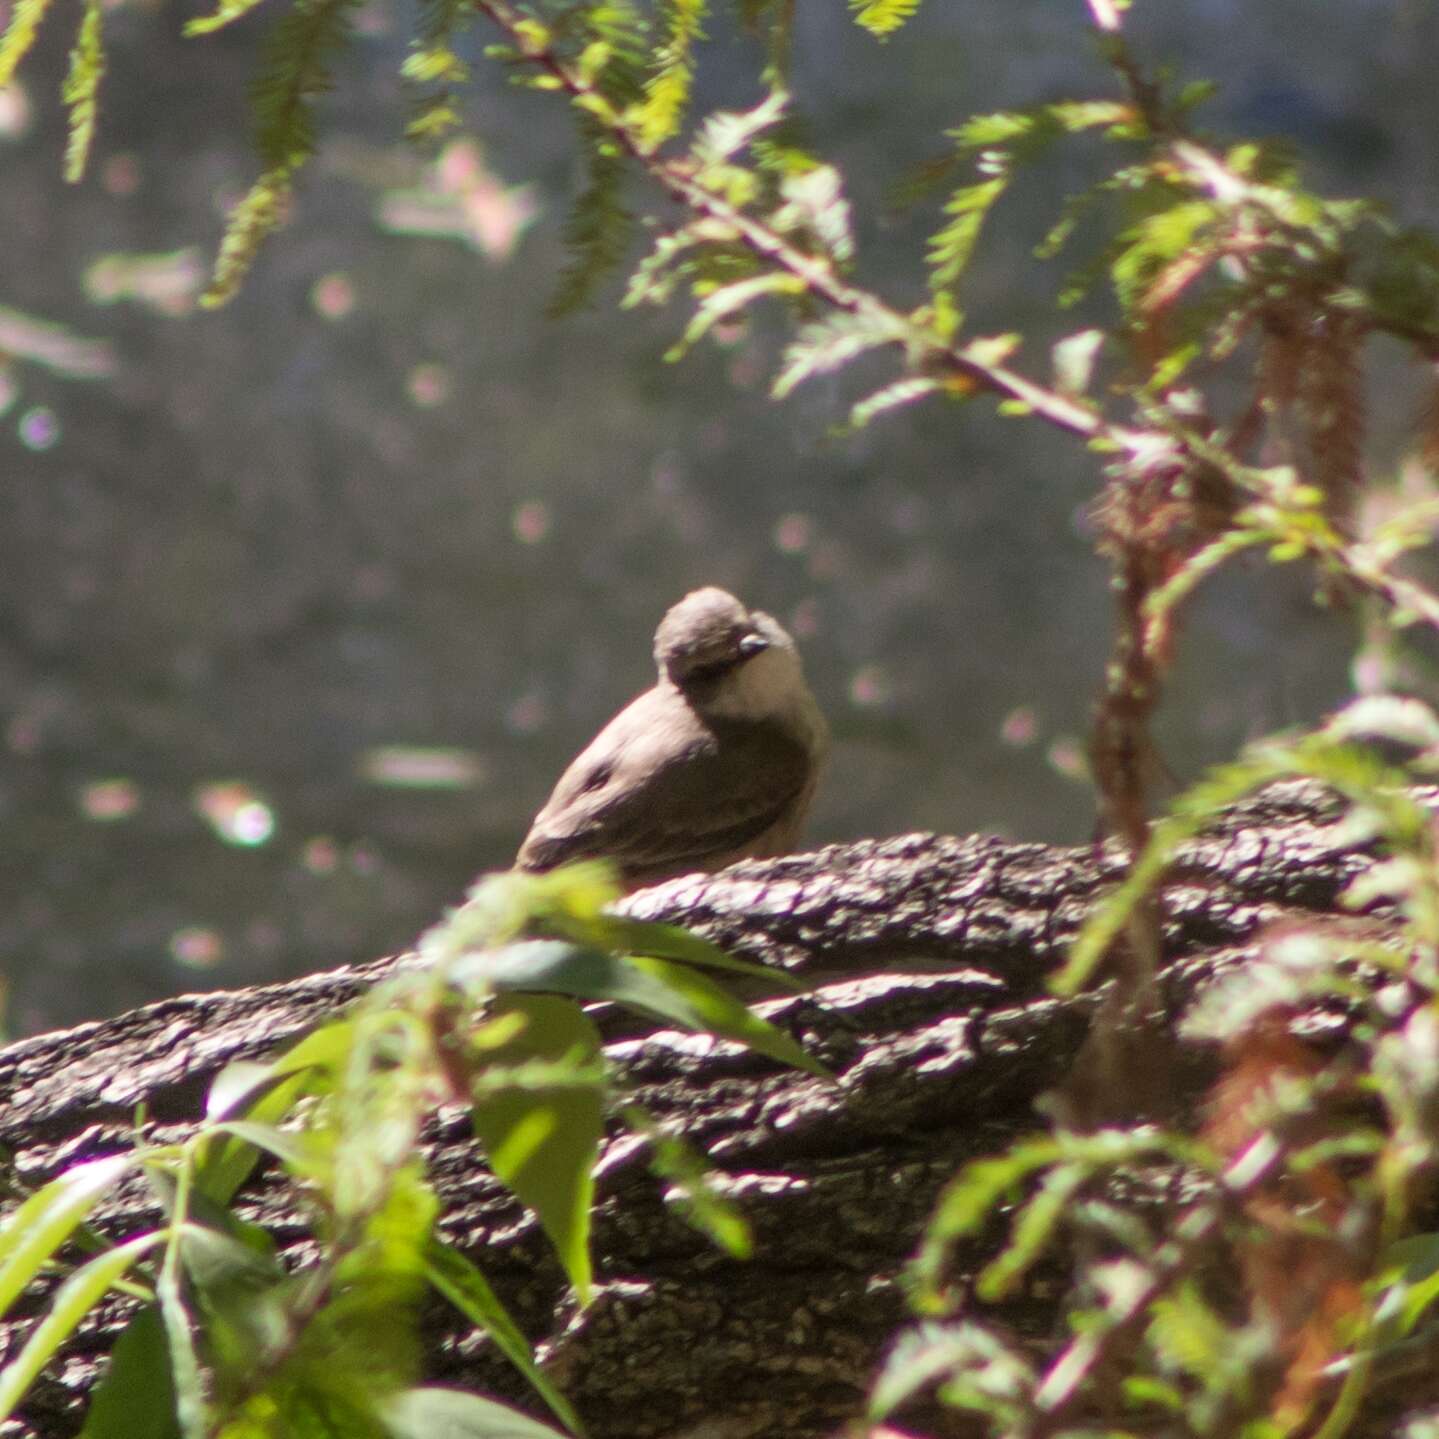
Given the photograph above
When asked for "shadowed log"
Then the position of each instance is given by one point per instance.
(929, 957)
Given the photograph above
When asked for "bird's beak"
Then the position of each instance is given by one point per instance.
(753, 645)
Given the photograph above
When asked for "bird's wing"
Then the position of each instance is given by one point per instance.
(650, 804)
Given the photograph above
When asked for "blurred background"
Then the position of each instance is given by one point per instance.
(305, 604)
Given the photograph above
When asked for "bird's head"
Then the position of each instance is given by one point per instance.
(709, 636)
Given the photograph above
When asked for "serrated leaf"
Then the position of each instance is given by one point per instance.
(882, 17)
(825, 345)
(457, 1278)
(814, 200)
(891, 397)
(598, 229)
(431, 1411)
(75, 1298)
(667, 89)
(542, 1142)
(250, 221)
(951, 247)
(1000, 128)
(1187, 1332)
(19, 36)
(228, 12)
(727, 132)
(81, 91)
(728, 300)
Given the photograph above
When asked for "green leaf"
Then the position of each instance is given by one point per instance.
(1031, 1231)
(970, 1198)
(81, 90)
(1187, 1333)
(135, 1399)
(951, 247)
(34, 1232)
(698, 1003)
(294, 70)
(694, 1195)
(542, 1141)
(265, 1093)
(75, 1298)
(673, 992)
(891, 397)
(185, 1377)
(977, 1370)
(825, 345)
(726, 133)
(882, 17)
(669, 941)
(597, 232)
(241, 1290)
(250, 221)
(454, 1414)
(228, 11)
(19, 36)
(469, 1291)
(726, 301)
(667, 90)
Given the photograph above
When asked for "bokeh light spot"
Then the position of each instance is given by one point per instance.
(528, 714)
(1066, 756)
(120, 174)
(430, 385)
(333, 297)
(1020, 727)
(236, 813)
(804, 619)
(107, 800)
(792, 533)
(197, 947)
(531, 522)
(422, 767)
(870, 687)
(39, 428)
(321, 855)
(15, 112)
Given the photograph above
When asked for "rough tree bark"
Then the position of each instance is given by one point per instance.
(929, 955)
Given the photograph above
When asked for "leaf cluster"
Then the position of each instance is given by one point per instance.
(1280, 1271)
(226, 1342)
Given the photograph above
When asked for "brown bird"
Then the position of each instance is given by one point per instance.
(717, 762)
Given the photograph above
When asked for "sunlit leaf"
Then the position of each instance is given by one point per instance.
(882, 17)
(455, 1414)
(36, 1230)
(542, 1141)
(75, 1298)
(469, 1291)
